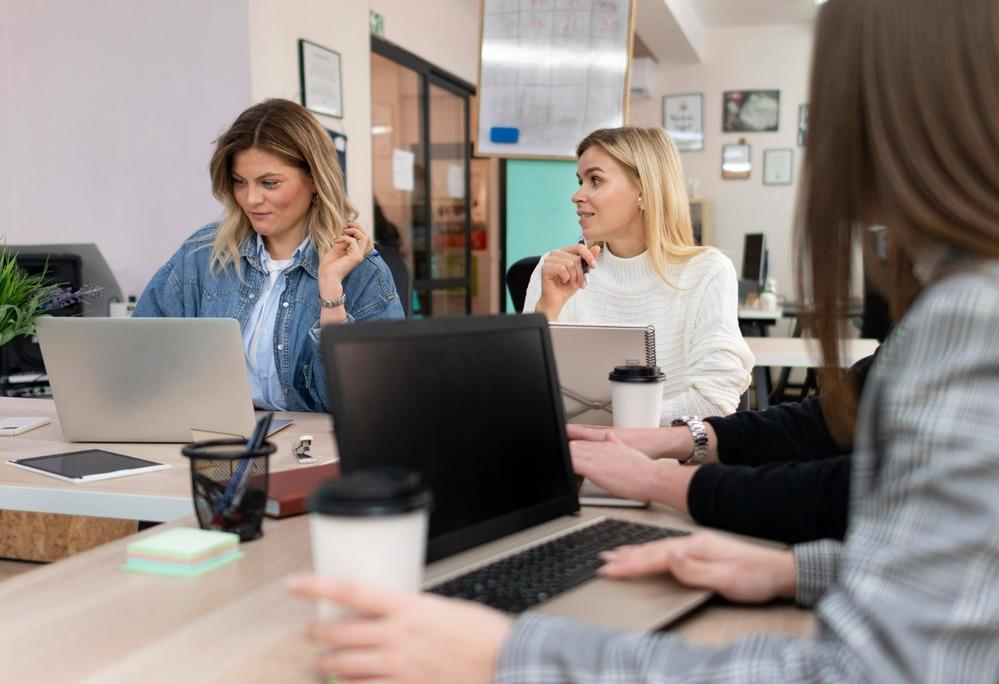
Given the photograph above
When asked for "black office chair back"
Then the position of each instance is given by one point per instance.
(397, 265)
(517, 278)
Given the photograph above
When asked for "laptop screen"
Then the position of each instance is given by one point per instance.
(471, 404)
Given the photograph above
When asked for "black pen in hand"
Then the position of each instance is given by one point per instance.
(585, 265)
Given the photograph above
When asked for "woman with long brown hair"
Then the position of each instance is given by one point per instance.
(286, 257)
(903, 134)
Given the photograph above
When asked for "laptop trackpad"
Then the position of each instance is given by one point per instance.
(636, 604)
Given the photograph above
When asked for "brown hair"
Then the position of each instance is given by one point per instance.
(286, 130)
(653, 160)
(903, 131)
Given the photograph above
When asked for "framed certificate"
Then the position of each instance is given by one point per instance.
(683, 119)
(319, 77)
(777, 166)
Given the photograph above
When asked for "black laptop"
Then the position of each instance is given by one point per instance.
(473, 405)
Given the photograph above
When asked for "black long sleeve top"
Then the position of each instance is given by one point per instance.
(781, 474)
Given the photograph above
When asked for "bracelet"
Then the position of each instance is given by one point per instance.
(700, 435)
(332, 303)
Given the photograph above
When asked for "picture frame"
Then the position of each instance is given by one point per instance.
(777, 165)
(802, 124)
(320, 79)
(750, 111)
(737, 161)
(683, 119)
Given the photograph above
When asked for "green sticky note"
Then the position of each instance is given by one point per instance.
(183, 543)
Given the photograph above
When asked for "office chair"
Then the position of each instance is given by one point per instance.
(517, 278)
(397, 265)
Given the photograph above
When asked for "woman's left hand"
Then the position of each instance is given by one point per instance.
(348, 251)
(397, 636)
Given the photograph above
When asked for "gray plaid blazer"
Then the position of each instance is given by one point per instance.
(913, 592)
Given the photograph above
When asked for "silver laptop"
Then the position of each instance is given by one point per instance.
(472, 404)
(146, 379)
(586, 354)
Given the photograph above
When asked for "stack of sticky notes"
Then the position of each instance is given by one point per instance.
(182, 552)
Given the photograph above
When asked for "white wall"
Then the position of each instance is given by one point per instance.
(107, 120)
(739, 59)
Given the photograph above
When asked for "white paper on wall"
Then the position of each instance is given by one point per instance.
(403, 164)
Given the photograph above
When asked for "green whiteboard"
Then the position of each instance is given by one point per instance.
(540, 215)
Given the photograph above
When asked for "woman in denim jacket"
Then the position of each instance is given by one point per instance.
(286, 258)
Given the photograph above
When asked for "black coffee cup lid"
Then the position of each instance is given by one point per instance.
(373, 492)
(636, 373)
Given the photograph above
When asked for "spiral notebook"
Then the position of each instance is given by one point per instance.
(584, 357)
(586, 354)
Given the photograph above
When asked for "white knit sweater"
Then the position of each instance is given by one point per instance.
(698, 343)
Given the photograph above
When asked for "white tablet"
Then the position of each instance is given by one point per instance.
(87, 465)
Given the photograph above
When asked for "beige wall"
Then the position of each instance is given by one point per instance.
(443, 32)
(738, 59)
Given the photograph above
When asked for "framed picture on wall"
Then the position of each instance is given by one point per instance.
(802, 124)
(683, 119)
(777, 166)
(753, 111)
(319, 78)
(736, 161)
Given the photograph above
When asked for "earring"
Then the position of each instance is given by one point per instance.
(641, 205)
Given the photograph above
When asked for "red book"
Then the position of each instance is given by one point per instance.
(289, 490)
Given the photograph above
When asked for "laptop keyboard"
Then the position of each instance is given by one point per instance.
(521, 581)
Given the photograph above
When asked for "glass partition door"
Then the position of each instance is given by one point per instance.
(420, 158)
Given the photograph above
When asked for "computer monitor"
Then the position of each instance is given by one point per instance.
(754, 255)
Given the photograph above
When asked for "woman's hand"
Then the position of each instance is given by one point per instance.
(348, 251)
(627, 472)
(562, 277)
(663, 442)
(737, 570)
(397, 636)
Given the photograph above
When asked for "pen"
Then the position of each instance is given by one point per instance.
(236, 488)
(583, 263)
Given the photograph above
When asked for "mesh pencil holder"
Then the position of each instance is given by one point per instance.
(229, 485)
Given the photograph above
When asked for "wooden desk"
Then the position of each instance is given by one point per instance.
(159, 496)
(84, 619)
(799, 353)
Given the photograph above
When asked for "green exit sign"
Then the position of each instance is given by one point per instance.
(377, 22)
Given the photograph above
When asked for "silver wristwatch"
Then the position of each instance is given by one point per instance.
(696, 426)
(332, 303)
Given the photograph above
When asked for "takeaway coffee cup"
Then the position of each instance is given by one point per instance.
(636, 396)
(370, 525)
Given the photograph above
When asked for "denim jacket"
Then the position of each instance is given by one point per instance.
(185, 287)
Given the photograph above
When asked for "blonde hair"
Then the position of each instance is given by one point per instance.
(286, 130)
(902, 131)
(652, 158)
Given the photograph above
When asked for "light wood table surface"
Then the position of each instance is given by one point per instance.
(158, 496)
(800, 352)
(85, 620)
(797, 352)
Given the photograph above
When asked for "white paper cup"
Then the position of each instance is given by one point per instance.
(636, 396)
(370, 526)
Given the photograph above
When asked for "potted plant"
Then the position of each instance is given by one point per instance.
(25, 296)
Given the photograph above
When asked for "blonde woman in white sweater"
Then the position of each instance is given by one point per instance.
(646, 269)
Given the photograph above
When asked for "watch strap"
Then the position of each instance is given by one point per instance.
(332, 303)
(700, 435)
